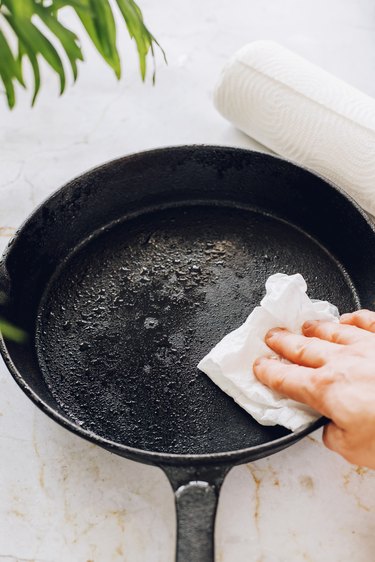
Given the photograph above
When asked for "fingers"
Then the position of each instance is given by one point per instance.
(310, 352)
(364, 319)
(294, 381)
(332, 332)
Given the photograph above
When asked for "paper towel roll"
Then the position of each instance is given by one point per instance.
(302, 113)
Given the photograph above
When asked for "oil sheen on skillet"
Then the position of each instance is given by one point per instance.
(126, 318)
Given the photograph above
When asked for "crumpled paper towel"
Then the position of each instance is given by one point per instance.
(230, 363)
(303, 113)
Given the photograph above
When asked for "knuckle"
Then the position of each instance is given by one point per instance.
(334, 374)
(318, 378)
(321, 380)
(327, 331)
(302, 352)
(278, 381)
(336, 335)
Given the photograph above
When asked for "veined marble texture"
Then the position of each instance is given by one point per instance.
(64, 500)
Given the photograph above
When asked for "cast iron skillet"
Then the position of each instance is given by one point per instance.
(129, 274)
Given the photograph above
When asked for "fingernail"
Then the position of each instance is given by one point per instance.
(257, 362)
(345, 316)
(308, 324)
(273, 332)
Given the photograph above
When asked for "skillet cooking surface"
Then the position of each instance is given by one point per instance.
(126, 318)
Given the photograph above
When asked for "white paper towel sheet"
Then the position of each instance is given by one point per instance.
(302, 113)
(230, 363)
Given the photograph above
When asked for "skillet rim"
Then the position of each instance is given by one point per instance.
(155, 457)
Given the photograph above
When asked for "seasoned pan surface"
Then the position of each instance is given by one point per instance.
(129, 313)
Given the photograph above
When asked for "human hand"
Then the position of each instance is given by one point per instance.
(333, 371)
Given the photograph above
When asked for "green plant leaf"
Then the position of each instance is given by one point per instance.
(98, 21)
(58, 4)
(9, 88)
(138, 31)
(23, 9)
(8, 60)
(23, 50)
(97, 18)
(36, 42)
(7, 70)
(11, 332)
(67, 38)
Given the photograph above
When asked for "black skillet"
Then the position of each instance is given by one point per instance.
(129, 274)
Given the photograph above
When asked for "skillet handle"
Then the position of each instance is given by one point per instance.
(196, 497)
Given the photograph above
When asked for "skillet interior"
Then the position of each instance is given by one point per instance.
(126, 318)
(49, 266)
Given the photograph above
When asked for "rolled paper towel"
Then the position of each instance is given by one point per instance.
(302, 113)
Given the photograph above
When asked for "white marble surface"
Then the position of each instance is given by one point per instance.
(64, 500)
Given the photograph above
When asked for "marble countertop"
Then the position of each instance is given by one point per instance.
(64, 500)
